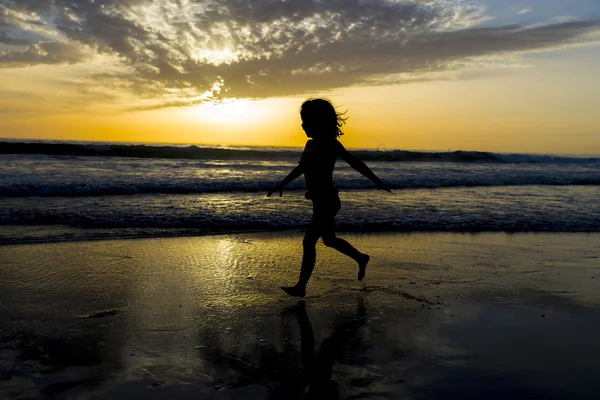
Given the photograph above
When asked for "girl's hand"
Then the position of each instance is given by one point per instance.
(277, 188)
(383, 186)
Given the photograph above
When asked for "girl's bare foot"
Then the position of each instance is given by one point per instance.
(362, 266)
(294, 291)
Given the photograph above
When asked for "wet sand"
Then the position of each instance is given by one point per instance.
(439, 316)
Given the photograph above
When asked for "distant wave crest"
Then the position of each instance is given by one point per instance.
(216, 153)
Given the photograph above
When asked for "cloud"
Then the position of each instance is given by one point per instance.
(186, 51)
(5, 39)
(43, 53)
(16, 16)
(16, 94)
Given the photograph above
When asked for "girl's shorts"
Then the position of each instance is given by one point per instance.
(325, 209)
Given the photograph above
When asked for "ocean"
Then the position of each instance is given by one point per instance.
(53, 191)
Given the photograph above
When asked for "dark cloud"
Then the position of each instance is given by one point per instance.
(14, 15)
(182, 50)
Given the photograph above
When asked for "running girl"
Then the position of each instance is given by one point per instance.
(322, 124)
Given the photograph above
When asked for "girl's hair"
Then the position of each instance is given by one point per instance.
(323, 112)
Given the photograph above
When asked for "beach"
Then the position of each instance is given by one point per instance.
(166, 168)
(439, 315)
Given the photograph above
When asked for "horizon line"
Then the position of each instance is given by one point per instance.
(239, 146)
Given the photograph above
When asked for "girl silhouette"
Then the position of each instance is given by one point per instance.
(322, 124)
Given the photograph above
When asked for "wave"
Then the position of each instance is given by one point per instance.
(83, 190)
(510, 209)
(271, 154)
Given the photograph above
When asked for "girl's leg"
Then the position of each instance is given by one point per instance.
(309, 257)
(331, 240)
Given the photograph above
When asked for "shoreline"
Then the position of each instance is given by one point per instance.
(128, 236)
(108, 234)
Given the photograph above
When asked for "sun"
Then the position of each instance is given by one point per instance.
(238, 122)
(229, 112)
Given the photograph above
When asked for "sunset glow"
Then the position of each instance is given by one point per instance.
(230, 113)
(435, 75)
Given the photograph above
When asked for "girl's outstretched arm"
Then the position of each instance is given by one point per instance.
(296, 173)
(361, 167)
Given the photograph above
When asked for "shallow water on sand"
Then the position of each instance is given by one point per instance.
(439, 316)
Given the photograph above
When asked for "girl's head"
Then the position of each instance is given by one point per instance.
(320, 120)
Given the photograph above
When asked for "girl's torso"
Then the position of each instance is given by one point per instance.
(318, 160)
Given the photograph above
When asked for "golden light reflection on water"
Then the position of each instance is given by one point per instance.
(226, 265)
(225, 273)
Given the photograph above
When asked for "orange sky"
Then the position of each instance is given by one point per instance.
(536, 98)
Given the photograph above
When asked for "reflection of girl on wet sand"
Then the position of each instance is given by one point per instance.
(319, 367)
(322, 123)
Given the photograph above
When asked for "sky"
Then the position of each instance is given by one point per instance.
(488, 75)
